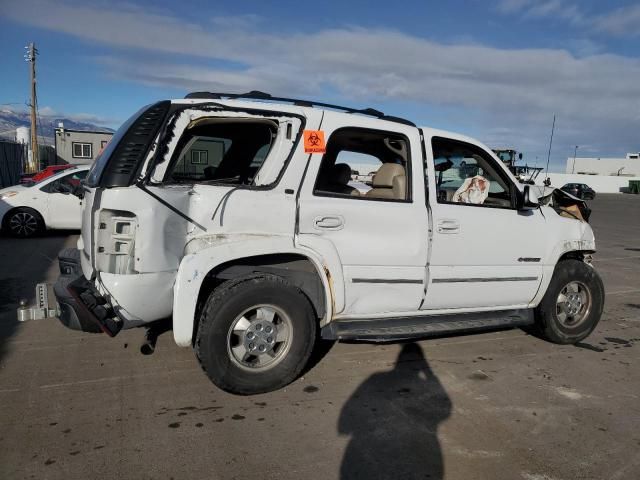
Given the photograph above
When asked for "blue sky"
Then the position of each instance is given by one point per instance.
(497, 69)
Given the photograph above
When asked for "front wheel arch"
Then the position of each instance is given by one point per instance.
(548, 324)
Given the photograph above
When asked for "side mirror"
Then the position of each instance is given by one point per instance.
(529, 199)
(78, 191)
(443, 165)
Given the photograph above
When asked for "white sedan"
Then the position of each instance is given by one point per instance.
(53, 203)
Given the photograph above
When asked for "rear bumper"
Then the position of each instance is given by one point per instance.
(81, 306)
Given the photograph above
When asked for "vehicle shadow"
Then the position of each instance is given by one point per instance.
(392, 419)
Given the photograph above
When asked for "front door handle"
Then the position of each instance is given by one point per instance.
(448, 226)
(329, 222)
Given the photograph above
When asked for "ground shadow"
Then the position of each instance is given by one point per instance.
(393, 419)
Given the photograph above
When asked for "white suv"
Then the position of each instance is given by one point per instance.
(237, 218)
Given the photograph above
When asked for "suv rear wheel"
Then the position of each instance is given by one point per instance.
(573, 304)
(256, 334)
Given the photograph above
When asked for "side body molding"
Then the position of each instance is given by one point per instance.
(194, 268)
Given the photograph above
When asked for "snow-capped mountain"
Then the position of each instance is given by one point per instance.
(12, 119)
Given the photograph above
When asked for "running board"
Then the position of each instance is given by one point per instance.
(399, 328)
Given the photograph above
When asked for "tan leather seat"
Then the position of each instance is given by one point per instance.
(389, 182)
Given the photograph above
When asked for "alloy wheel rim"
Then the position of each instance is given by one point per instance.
(23, 224)
(259, 338)
(573, 304)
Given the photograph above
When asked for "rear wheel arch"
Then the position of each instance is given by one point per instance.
(296, 268)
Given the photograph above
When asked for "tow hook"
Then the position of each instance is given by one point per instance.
(151, 336)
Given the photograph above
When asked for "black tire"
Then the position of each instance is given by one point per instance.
(221, 311)
(548, 324)
(23, 222)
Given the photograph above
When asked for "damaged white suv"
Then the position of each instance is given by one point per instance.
(236, 221)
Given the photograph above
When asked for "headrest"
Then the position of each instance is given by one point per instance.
(340, 173)
(385, 175)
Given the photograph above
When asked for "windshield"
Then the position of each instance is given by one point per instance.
(101, 160)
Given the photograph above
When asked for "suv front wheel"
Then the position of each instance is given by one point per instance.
(572, 306)
(256, 334)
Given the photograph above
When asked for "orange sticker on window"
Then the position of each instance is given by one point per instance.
(314, 141)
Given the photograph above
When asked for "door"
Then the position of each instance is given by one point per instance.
(63, 207)
(486, 253)
(362, 202)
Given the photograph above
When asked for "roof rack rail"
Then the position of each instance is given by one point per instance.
(257, 95)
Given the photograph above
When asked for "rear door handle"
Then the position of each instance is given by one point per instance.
(448, 226)
(329, 222)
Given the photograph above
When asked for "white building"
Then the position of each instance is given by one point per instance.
(628, 166)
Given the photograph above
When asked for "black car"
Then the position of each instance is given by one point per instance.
(579, 190)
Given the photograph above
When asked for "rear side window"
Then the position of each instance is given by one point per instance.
(365, 164)
(221, 151)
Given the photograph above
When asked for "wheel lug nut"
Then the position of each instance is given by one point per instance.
(250, 335)
(251, 346)
(268, 329)
(270, 339)
(262, 348)
(259, 327)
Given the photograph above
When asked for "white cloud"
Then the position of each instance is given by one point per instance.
(595, 96)
(511, 6)
(620, 22)
(557, 9)
(623, 22)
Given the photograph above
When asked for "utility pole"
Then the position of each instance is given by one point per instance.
(574, 159)
(33, 163)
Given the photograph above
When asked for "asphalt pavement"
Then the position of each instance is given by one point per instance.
(501, 405)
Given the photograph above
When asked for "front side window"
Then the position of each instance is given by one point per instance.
(221, 151)
(466, 174)
(67, 183)
(367, 164)
(82, 150)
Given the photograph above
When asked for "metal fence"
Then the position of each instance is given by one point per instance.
(47, 156)
(13, 157)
